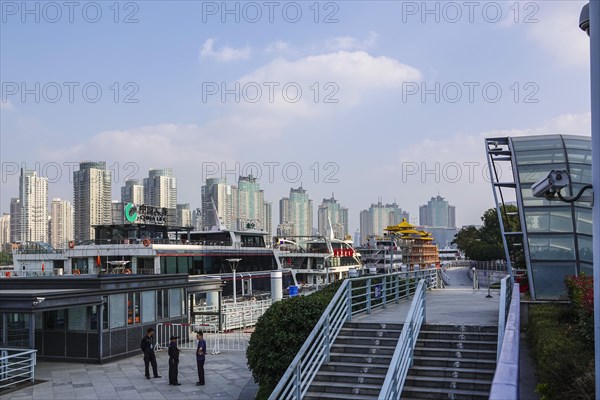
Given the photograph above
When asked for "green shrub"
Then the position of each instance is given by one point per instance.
(280, 333)
(563, 358)
(581, 294)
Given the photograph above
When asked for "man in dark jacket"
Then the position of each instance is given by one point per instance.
(200, 357)
(147, 347)
(173, 361)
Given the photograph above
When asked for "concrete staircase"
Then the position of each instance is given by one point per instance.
(359, 360)
(452, 362)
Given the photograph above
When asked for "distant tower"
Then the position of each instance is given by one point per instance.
(91, 198)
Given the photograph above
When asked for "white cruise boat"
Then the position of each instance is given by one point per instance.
(381, 255)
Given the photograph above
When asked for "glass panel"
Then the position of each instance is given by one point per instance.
(148, 306)
(551, 247)
(117, 310)
(529, 174)
(579, 156)
(93, 312)
(549, 279)
(578, 143)
(586, 268)
(549, 219)
(129, 308)
(530, 201)
(18, 330)
(136, 307)
(175, 309)
(171, 265)
(583, 220)
(536, 143)
(77, 318)
(580, 173)
(585, 248)
(55, 320)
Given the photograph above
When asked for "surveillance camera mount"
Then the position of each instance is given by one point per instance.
(571, 199)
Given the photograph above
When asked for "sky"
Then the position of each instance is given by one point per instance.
(369, 100)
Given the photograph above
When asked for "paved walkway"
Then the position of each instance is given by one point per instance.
(227, 378)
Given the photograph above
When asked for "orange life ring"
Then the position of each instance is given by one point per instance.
(146, 242)
(76, 272)
(7, 274)
(71, 244)
(127, 271)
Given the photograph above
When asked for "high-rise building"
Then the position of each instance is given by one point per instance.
(4, 230)
(61, 223)
(249, 204)
(184, 215)
(160, 190)
(217, 194)
(379, 216)
(437, 213)
(33, 197)
(331, 210)
(91, 198)
(197, 219)
(132, 192)
(117, 212)
(268, 221)
(15, 220)
(296, 213)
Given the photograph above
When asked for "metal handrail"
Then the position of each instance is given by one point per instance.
(506, 292)
(355, 296)
(16, 366)
(475, 278)
(403, 355)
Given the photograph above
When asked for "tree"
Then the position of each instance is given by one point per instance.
(485, 243)
(6, 258)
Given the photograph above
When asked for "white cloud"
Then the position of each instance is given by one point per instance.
(352, 43)
(278, 46)
(7, 106)
(225, 54)
(557, 31)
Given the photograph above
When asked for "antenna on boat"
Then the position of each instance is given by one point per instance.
(219, 225)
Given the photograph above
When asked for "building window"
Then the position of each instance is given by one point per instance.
(133, 308)
(175, 298)
(55, 320)
(117, 310)
(162, 304)
(77, 320)
(148, 306)
(105, 313)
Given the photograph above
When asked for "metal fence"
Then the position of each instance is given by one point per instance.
(238, 315)
(506, 294)
(355, 296)
(16, 366)
(215, 341)
(403, 355)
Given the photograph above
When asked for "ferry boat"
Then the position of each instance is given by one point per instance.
(377, 254)
(158, 249)
(317, 260)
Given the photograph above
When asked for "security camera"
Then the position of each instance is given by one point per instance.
(38, 300)
(584, 19)
(548, 186)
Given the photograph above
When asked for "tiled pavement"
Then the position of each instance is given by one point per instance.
(227, 378)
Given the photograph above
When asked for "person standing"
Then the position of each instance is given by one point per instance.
(200, 357)
(147, 347)
(173, 361)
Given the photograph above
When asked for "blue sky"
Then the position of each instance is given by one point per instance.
(369, 141)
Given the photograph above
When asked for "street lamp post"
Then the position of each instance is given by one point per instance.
(233, 263)
(590, 22)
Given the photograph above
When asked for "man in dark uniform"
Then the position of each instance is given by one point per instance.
(147, 347)
(173, 361)
(200, 357)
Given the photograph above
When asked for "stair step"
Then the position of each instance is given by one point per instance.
(319, 395)
(346, 385)
(453, 353)
(350, 377)
(435, 393)
(362, 358)
(448, 383)
(371, 332)
(472, 344)
(461, 328)
(471, 373)
(337, 366)
(372, 325)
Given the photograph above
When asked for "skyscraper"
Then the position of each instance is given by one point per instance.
(268, 221)
(184, 215)
(439, 218)
(91, 198)
(216, 191)
(379, 216)
(249, 204)
(437, 213)
(15, 220)
(331, 210)
(160, 190)
(4, 230)
(61, 223)
(33, 197)
(296, 213)
(197, 218)
(132, 192)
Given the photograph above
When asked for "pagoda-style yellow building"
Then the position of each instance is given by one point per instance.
(417, 246)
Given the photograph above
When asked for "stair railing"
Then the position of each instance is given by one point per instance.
(475, 278)
(403, 355)
(506, 290)
(355, 296)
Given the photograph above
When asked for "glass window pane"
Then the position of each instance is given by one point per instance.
(529, 174)
(551, 247)
(583, 220)
(148, 306)
(536, 143)
(585, 248)
(129, 308)
(578, 144)
(580, 173)
(175, 308)
(77, 318)
(549, 279)
(136, 307)
(579, 156)
(549, 219)
(171, 265)
(117, 310)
